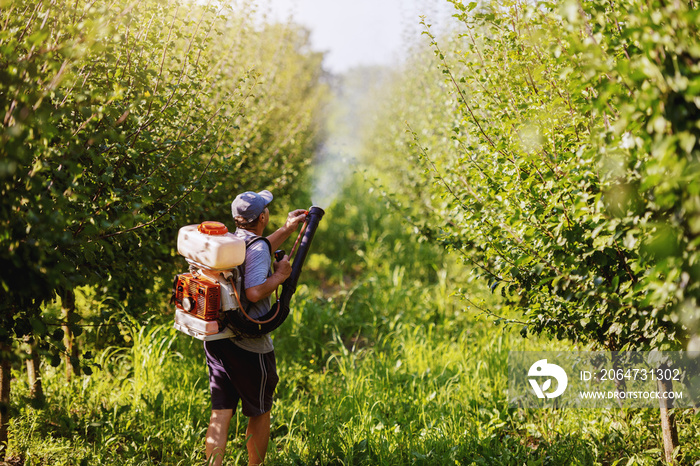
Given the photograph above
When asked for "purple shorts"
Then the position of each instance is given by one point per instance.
(236, 374)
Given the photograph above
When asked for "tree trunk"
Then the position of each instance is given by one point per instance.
(620, 383)
(668, 418)
(36, 391)
(68, 310)
(5, 375)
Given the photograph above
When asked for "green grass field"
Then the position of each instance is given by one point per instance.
(380, 364)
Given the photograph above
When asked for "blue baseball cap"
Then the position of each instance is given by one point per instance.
(250, 205)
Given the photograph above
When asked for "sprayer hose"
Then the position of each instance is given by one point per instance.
(301, 232)
(240, 306)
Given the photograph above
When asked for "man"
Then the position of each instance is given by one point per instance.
(244, 369)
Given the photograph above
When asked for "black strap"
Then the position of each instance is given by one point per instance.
(252, 239)
(249, 242)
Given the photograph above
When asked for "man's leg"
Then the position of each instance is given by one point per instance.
(217, 434)
(258, 435)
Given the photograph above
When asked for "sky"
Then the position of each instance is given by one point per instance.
(354, 33)
(360, 32)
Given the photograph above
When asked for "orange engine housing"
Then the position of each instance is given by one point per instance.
(198, 296)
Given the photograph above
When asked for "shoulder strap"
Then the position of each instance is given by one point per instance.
(248, 242)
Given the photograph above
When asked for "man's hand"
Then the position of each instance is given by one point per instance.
(283, 268)
(294, 218)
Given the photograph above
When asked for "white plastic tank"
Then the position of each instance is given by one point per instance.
(211, 246)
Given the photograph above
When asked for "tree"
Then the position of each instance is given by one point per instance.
(560, 156)
(118, 123)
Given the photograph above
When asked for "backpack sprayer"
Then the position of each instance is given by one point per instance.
(207, 299)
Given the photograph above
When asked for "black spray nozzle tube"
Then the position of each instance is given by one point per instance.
(312, 220)
(242, 325)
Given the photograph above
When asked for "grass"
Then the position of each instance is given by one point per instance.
(384, 367)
